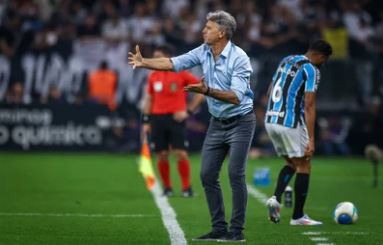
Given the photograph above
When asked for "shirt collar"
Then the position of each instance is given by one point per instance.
(225, 52)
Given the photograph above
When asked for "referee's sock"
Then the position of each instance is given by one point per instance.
(164, 169)
(184, 170)
(284, 178)
(301, 188)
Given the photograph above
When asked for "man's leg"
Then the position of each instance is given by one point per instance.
(213, 155)
(183, 168)
(301, 188)
(284, 177)
(164, 170)
(179, 144)
(239, 139)
(301, 185)
(159, 136)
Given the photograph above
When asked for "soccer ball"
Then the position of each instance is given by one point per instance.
(345, 213)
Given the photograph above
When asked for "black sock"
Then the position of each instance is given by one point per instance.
(284, 177)
(301, 188)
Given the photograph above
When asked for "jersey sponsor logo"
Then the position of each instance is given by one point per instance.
(289, 72)
(275, 113)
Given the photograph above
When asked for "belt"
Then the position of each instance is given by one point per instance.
(230, 119)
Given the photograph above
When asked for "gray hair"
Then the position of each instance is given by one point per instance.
(225, 21)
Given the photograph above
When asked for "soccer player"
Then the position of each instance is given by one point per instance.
(289, 121)
(164, 117)
(226, 85)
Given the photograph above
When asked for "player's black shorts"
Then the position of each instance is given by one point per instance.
(167, 132)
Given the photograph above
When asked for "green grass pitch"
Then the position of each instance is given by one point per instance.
(71, 199)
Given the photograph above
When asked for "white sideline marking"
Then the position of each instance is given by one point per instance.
(311, 233)
(319, 239)
(261, 197)
(316, 233)
(80, 215)
(176, 234)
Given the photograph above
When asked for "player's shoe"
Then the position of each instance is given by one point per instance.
(274, 208)
(305, 220)
(168, 192)
(188, 192)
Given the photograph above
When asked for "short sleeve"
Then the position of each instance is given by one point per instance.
(149, 88)
(189, 78)
(312, 76)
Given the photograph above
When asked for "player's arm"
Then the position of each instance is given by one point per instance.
(146, 114)
(310, 114)
(311, 75)
(196, 101)
(202, 88)
(136, 60)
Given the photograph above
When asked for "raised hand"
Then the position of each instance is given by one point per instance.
(135, 59)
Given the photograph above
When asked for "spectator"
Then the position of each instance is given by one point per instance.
(102, 86)
(15, 94)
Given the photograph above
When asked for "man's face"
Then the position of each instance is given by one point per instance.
(211, 33)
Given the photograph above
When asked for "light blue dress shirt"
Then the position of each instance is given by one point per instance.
(230, 72)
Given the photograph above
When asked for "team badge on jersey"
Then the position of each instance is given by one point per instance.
(173, 86)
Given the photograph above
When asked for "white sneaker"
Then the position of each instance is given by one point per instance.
(305, 220)
(274, 209)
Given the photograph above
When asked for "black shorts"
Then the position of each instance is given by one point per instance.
(167, 132)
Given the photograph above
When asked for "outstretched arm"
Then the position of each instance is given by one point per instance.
(136, 60)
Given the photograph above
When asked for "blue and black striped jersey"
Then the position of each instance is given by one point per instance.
(295, 76)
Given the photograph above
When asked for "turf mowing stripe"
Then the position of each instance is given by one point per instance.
(80, 215)
(262, 198)
(168, 214)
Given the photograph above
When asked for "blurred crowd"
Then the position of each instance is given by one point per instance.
(105, 30)
(62, 51)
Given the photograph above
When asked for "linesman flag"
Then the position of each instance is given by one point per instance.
(145, 165)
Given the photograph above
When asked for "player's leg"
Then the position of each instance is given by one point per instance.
(275, 133)
(301, 185)
(164, 170)
(183, 164)
(160, 139)
(284, 177)
(179, 144)
(302, 179)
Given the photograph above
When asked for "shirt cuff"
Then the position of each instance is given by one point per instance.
(239, 94)
(176, 64)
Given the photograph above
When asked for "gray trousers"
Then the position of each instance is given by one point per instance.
(233, 139)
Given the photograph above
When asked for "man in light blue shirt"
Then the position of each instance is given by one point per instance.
(226, 85)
